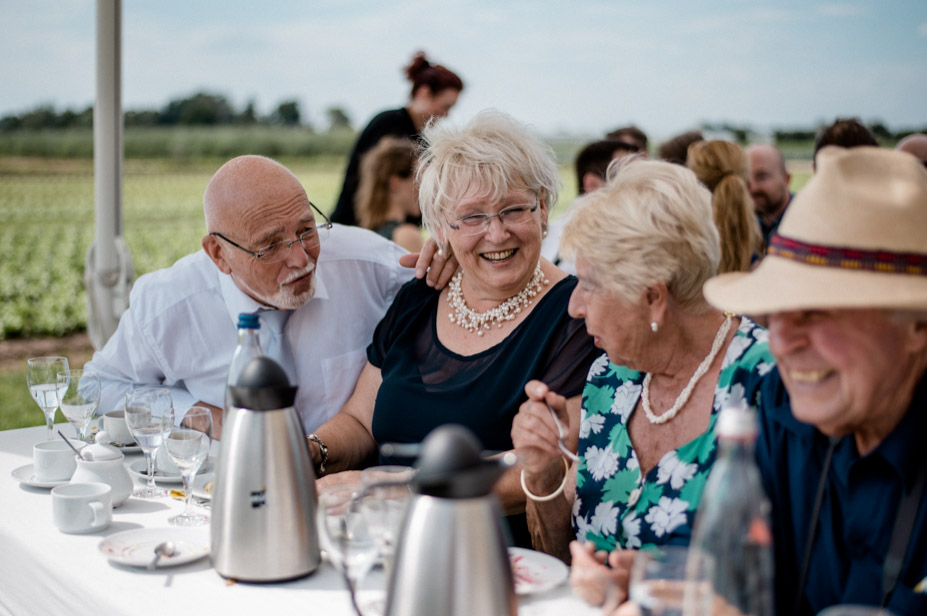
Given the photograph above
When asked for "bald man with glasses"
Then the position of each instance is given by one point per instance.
(320, 290)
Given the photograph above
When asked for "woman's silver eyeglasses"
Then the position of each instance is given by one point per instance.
(476, 224)
(278, 251)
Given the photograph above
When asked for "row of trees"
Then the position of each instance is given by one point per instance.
(743, 133)
(201, 109)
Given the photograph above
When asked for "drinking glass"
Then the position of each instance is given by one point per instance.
(671, 581)
(79, 392)
(344, 536)
(386, 494)
(187, 447)
(150, 417)
(42, 378)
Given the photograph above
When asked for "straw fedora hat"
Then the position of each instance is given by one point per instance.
(855, 237)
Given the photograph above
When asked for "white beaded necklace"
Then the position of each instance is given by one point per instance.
(685, 393)
(473, 321)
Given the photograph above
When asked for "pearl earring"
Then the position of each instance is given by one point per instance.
(654, 327)
(544, 233)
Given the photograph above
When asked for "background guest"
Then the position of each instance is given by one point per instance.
(844, 132)
(463, 355)
(591, 165)
(842, 451)
(676, 150)
(434, 91)
(387, 196)
(643, 246)
(769, 186)
(916, 145)
(722, 166)
(632, 135)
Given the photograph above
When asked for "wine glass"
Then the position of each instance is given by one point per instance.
(671, 581)
(386, 494)
(188, 447)
(42, 378)
(150, 417)
(79, 393)
(344, 536)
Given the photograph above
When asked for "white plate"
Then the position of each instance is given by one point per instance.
(26, 476)
(200, 483)
(535, 571)
(140, 468)
(136, 547)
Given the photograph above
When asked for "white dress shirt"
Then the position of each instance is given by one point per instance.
(180, 329)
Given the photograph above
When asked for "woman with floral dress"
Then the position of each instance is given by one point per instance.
(643, 246)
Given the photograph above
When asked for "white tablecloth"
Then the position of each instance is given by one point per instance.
(44, 571)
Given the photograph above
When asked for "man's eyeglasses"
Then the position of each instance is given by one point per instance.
(310, 237)
(476, 224)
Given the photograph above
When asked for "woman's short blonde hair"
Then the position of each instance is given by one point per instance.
(492, 153)
(650, 223)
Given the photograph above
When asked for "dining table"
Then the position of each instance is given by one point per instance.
(45, 571)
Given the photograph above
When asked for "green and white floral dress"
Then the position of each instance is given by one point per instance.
(615, 506)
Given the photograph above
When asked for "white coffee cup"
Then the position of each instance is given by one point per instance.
(114, 423)
(54, 460)
(164, 464)
(79, 508)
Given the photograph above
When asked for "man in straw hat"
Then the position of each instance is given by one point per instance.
(844, 289)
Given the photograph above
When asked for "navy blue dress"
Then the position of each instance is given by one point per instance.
(426, 385)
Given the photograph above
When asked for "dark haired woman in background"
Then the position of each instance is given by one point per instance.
(434, 91)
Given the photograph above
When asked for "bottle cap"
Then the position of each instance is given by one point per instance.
(736, 422)
(248, 320)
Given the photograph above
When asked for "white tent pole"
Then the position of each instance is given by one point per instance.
(104, 279)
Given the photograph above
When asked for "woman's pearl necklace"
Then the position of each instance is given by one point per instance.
(699, 373)
(473, 321)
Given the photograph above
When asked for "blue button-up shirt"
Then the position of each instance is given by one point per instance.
(858, 511)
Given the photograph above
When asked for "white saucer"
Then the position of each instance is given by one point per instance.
(136, 547)
(203, 485)
(536, 572)
(26, 476)
(140, 468)
(133, 448)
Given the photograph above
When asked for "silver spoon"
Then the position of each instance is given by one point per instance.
(563, 433)
(165, 549)
(71, 445)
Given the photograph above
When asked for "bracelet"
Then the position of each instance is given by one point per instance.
(323, 451)
(552, 495)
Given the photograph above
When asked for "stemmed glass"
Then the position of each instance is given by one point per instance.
(187, 447)
(671, 580)
(79, 392)
(150, 417)
(42, 378)
(344, 536)
(385, 495)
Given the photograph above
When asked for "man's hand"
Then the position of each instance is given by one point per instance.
(216, 419)
(436, 266)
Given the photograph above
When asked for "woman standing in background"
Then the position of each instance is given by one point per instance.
(434, 91)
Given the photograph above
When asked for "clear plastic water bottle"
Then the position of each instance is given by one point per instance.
(249, 347)
(732, 524)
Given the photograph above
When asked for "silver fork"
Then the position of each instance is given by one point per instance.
(563, 433)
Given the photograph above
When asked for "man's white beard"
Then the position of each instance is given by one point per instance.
(283, 298)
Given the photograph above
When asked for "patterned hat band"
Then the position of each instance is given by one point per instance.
(882, 261)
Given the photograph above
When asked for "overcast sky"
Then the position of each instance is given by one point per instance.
(580, 67)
